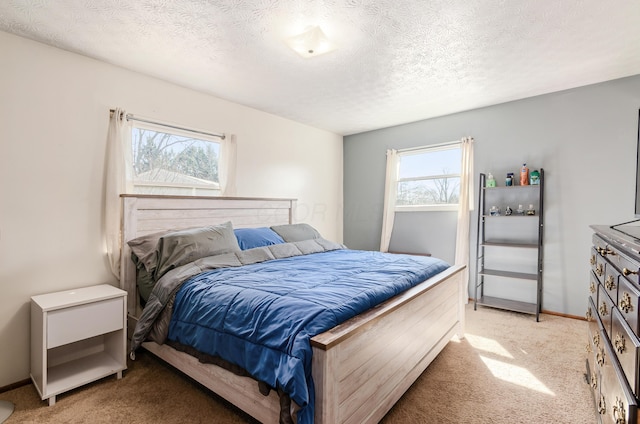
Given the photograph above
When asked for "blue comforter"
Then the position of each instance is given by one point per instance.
(262, 316)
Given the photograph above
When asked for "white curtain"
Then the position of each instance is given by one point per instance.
(227, 169)
(390, 188)
(117, 182)
(466, 197)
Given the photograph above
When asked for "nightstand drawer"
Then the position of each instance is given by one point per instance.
(80, 322)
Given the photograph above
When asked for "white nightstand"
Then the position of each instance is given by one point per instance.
(77, 336)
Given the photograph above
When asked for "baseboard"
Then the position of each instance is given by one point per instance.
(564, 315)
(15, 385)
(559, 314)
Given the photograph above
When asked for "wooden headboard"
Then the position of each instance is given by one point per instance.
(146, 214)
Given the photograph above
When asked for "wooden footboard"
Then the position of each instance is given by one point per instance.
(360, 368)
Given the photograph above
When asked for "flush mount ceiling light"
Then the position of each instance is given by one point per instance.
(312, 42)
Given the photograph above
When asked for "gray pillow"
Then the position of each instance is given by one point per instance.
(144, 279)
(284, 250)
(309, 246)
(296, 232)
(144, 248)
(181, 247)
(255, 255)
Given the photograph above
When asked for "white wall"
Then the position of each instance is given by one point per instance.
(54, 112)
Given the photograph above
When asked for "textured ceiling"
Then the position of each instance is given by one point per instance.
(397, 61)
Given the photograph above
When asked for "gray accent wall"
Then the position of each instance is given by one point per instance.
(585, 139)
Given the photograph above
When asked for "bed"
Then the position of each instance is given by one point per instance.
(360, 367)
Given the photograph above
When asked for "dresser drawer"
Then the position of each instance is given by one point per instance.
(593, 346)
(594, 379)
(628, 295)
(593, 288)
(626, 265)
(605, 305)
(597, 263)
(80, 322)
(626, 346)
(617, 404)
(610, 282)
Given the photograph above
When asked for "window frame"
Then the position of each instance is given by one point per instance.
(196, 189)
(442, 207)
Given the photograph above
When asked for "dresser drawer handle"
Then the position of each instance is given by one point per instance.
(605, 252)
(600, 357)
(619, 413)
(625, 303)
(592, 287)
(600, 270)
(610, 283)
(618, 342)
(602, 408)
(594, 380)
(589, 315)
(627, 271)
(592, 261)
(596, 340)
(603, 309)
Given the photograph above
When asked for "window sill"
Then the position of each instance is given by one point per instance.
(442, 208)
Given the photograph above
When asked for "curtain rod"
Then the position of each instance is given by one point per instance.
(131, 117)
(448, 143)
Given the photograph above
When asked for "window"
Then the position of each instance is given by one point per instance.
(429, 178)
(174, 162)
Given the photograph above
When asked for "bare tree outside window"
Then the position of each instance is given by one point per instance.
(164, 162)
(429, 177)
(433, 191)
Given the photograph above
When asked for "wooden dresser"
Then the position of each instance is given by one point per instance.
(613, 314)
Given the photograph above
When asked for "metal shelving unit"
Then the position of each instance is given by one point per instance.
(519, 237)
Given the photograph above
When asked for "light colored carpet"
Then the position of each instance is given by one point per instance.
(508, 369)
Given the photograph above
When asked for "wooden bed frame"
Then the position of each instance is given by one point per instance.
(360, 368)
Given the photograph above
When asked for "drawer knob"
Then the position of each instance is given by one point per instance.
(625, 303)
(619, 413)
(596, 339)
(592, 287)
(602, 407)
(610, 283)
(618, 342)
(592, 261)
(600, 357)
(589, 315)
(603, 309)
(600, 270)
(627, 271)
(594, 380)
